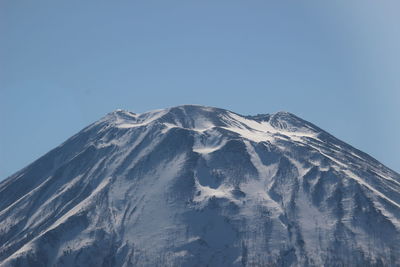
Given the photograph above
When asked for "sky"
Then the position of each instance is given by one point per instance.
(65, 64)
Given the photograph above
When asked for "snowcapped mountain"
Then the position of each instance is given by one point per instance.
(201, 186)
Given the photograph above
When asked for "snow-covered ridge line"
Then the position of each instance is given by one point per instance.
(200, 116)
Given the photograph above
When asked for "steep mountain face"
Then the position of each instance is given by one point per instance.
(201, 186)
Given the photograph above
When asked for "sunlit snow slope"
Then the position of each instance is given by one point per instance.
(201, 186)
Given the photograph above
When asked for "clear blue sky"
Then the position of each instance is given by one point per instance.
(65, 64)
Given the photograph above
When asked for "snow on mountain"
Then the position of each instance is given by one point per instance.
(201, 186)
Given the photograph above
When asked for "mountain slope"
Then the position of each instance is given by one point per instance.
(198, 186)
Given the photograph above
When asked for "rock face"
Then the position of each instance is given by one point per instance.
(201, 186)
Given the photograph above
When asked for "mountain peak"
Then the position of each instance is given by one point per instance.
(201, 186)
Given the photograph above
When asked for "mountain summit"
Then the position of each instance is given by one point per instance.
(201, 186)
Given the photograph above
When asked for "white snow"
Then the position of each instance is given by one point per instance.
(260, 131)
(208, 192)
(141, 119)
